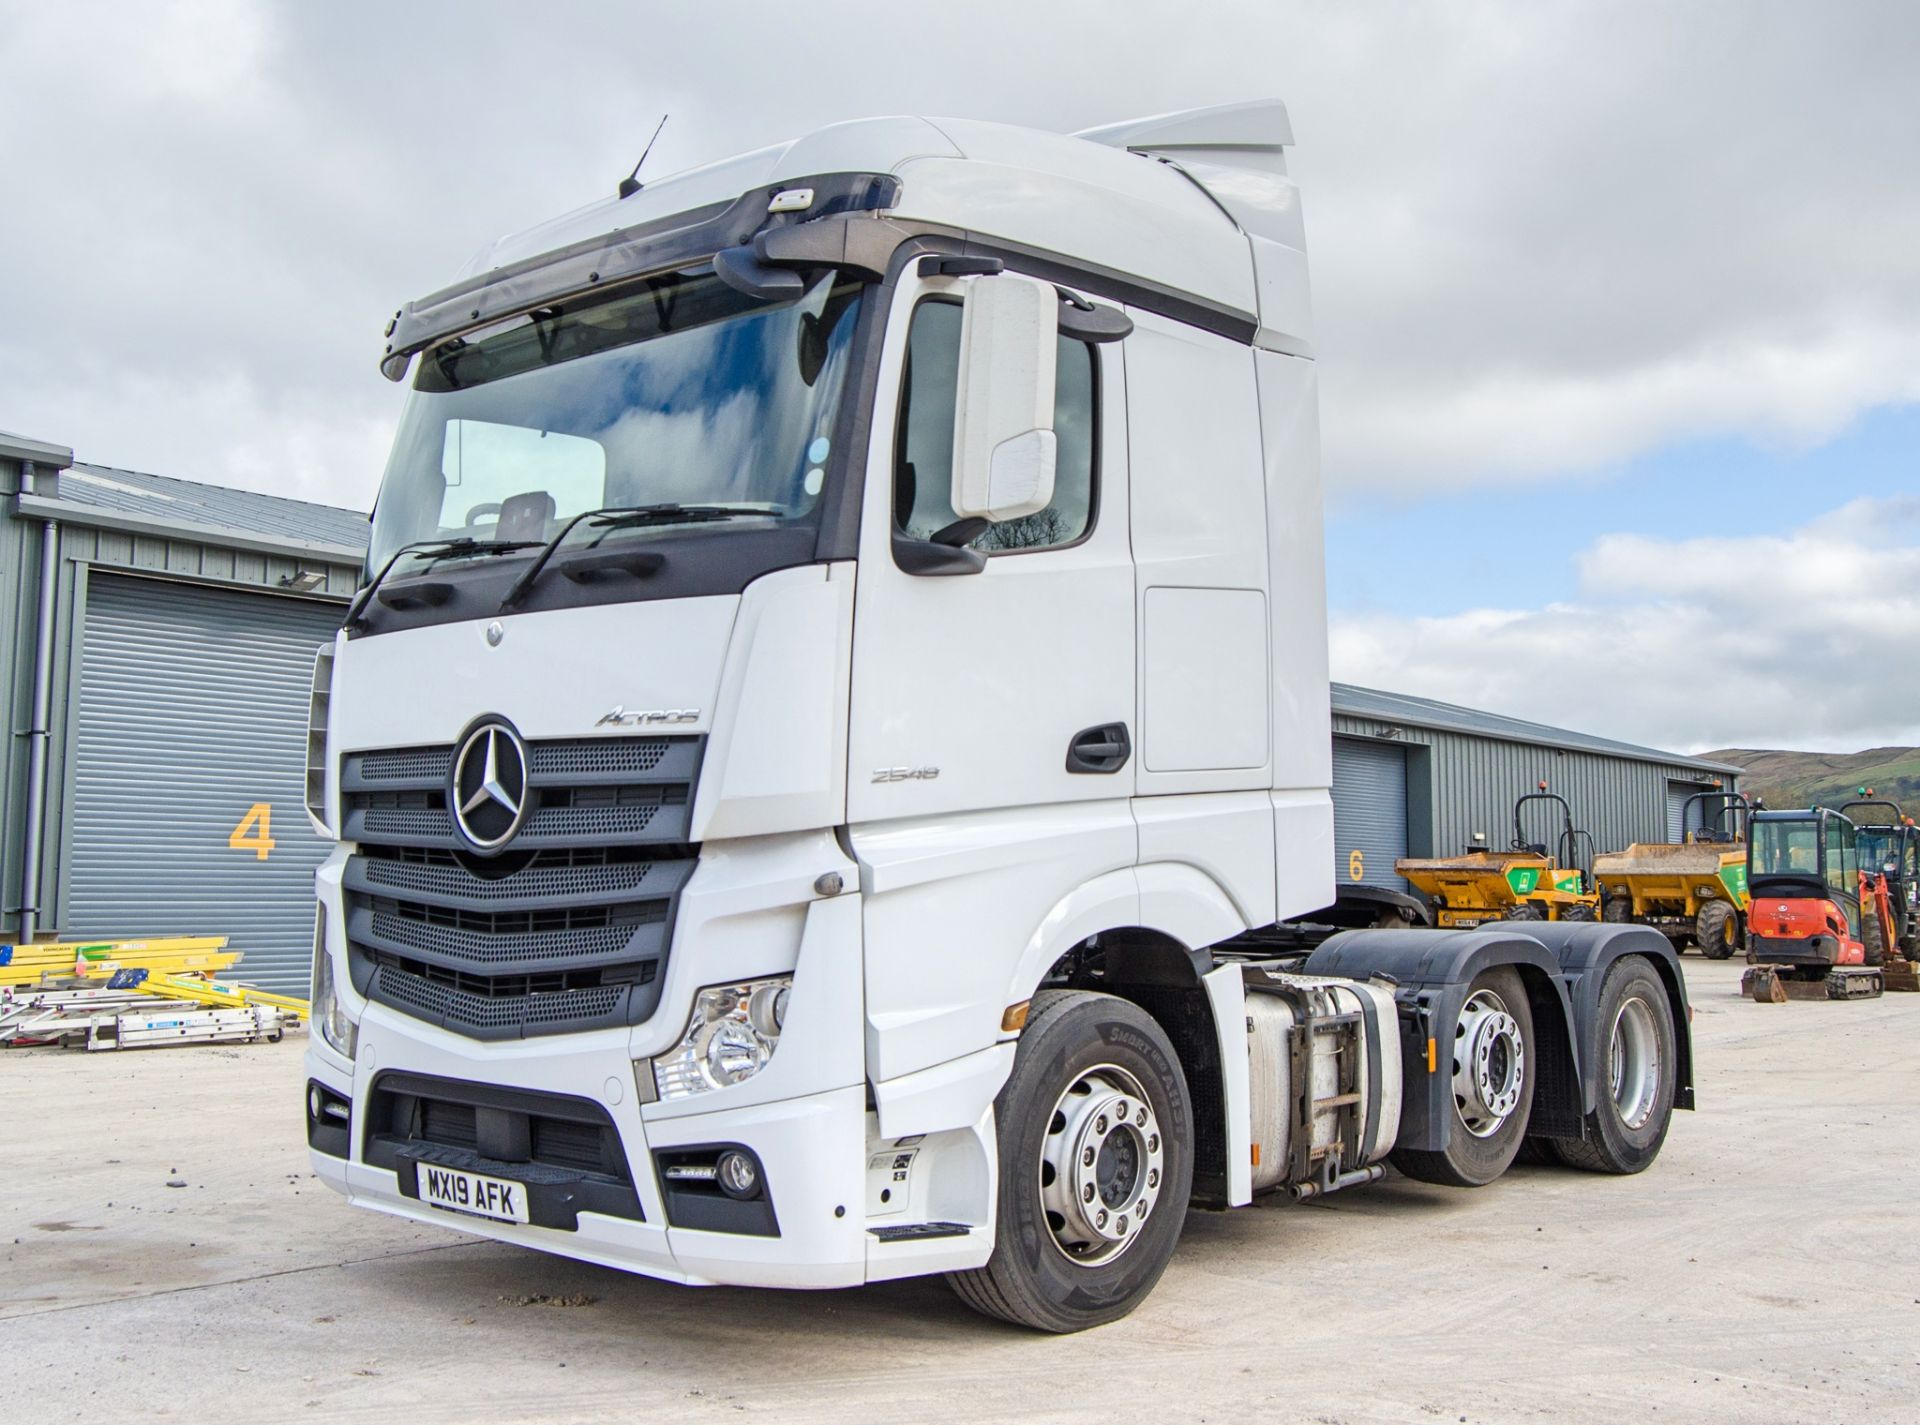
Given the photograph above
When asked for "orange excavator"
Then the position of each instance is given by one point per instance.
(1890, 852)
(1814, 910)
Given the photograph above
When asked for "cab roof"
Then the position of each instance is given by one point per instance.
(1198, 202)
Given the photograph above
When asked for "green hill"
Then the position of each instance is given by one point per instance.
(1797, 779)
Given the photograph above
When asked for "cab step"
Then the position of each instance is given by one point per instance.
(920, 1231)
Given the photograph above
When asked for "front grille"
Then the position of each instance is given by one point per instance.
(585, 792)
(568, 929)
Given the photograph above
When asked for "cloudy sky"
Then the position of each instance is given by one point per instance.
(1618, 304)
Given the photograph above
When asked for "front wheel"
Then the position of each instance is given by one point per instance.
(1096, 1165)
(1493, 1068)
(1715, 930)
(1629, 1122)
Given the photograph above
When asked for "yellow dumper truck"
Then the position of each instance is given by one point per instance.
(1524, 882)
(1694, 887)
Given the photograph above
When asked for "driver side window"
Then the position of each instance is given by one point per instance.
(923, 440)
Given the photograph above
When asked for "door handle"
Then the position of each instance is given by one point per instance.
(1105, 748)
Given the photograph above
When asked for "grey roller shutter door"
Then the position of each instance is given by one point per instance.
(1369, 812)
(193, 710)
(1677, 794)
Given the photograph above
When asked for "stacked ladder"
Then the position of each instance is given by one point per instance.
(134, 994)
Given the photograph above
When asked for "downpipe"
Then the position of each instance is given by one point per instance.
(37, 734)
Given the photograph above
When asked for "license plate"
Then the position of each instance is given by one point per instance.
(460, 1191)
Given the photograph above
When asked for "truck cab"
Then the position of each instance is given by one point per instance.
(832, 753)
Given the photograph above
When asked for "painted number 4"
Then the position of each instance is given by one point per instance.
(255, 831)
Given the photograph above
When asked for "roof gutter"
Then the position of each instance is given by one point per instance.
(40, 507)
(1624, 752)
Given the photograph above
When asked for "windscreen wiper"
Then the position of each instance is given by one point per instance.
(432, 550)
(611, 519)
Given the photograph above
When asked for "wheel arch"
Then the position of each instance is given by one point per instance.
(1152, 931)
(1586, 952)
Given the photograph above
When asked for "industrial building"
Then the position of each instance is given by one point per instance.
(159, 649)
(1414, 777)
(156, 654)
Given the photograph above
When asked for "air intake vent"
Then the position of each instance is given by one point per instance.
(318, 707)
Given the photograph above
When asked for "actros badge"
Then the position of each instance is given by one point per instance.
(649, 717)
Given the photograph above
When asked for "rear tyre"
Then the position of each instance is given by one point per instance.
(1096, 1164)
(1629, 1123)
(1524, 910)
(1619, 910)
(1493, 1069)
(1578, 911)
(1715, 930)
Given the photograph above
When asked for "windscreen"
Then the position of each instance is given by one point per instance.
(1783, 848)
(1879, 851)
(674, 390)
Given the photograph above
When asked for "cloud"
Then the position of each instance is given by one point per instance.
(1808, 639)
(1544, 237)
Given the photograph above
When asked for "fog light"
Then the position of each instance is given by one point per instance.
(313, 1101)
(738, 1174)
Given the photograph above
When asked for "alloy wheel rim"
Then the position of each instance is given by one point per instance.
(1489, 1064)
(1102, 1165)
(1633, 1067)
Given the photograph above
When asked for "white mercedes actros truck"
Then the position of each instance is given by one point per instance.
(830, 763)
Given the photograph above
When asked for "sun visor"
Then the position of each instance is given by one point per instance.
(603, 260)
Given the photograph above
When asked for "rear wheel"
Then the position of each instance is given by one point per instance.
(1523, 910)
(1619, 910)
(1578, 910)
(1096, 1164)
(1493, 1068)
(1629, 1122)
(1715, 930)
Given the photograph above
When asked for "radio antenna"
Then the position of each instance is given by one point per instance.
(631, 183)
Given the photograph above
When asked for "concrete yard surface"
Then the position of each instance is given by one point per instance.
(1766, 1269)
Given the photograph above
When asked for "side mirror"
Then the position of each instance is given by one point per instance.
(1003, 441)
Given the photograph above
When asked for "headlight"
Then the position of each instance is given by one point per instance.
(730, 1038)
(328, 1017)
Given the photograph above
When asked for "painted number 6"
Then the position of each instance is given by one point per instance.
(1356, 866)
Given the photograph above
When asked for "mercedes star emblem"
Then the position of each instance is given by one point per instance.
(489, 791)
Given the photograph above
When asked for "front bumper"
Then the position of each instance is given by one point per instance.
(812, 1150)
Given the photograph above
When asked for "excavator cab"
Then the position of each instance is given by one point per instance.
(1890, 851)
(1803, 873)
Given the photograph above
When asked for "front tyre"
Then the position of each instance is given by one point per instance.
(1629, 1122)
(1716, 930)
(1096, 1164)
(1493, 1069)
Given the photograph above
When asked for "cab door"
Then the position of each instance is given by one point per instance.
(990, 744)
(970, 689)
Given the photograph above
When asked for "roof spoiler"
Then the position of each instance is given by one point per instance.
(1252, 135)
